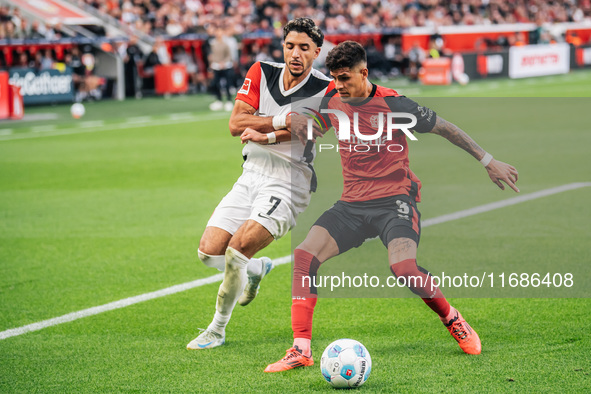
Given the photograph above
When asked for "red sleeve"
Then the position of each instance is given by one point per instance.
(330, 87)
(250, 92)
(386, 92)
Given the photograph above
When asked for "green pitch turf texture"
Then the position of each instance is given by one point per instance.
(114, 210)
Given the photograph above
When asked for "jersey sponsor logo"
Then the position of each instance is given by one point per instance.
(245, 86)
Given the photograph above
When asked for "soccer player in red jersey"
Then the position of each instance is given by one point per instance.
(379, 197)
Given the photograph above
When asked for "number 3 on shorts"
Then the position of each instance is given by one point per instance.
(274, 207)
(402, 207)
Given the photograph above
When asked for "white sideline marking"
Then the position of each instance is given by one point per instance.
(121, 303)
(503, 203)
(282, 260)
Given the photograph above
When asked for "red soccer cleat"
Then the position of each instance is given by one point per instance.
(293, 359)
(462, 332)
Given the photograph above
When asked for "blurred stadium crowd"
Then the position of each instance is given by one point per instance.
(226, 55)
(175, 17)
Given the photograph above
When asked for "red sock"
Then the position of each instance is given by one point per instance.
(422, 285)
(305, 267)
(304, 293)
(302, 313)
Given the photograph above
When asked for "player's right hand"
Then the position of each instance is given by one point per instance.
(298, 126)
(499, 171)
(250, 134)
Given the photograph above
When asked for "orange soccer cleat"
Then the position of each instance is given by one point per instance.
(293, 359)
(462, 332)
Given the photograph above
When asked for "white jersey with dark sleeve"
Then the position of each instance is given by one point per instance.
(263, 89)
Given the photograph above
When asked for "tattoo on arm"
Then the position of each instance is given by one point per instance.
(458, 137)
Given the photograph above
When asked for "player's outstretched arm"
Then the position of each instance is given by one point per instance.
(497, 170)
(243, 116)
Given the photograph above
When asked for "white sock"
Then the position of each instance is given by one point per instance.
(219, 323)
(232, 286)
(214, 261)
(254, 267)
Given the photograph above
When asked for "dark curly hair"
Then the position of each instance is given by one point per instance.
(346, 54)
(305, 25)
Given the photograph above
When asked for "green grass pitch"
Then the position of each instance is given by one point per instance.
(112, 206)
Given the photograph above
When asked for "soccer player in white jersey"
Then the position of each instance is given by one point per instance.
(277, 177)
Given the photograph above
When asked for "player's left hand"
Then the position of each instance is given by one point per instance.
(499, 171)
(250, 134)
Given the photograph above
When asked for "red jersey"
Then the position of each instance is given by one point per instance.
(377, 167)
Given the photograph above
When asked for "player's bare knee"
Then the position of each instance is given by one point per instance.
(250, 238)
(214, 241)
(310, 247)
(249, 243)
(209, 247)
(314, 242)
(243, 246)
(322, 249)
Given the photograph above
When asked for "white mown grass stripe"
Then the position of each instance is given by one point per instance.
(181, 115)
(45, 132)
(139, 119)
(42, 129)
(282, 260)
(92, 123)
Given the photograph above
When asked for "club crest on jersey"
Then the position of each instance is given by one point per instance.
(425, 112)
(245, 86)
(373, 120)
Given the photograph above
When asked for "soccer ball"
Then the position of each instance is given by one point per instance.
(345, 363)
(77, 110)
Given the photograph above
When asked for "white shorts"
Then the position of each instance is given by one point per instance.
(273, 203)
